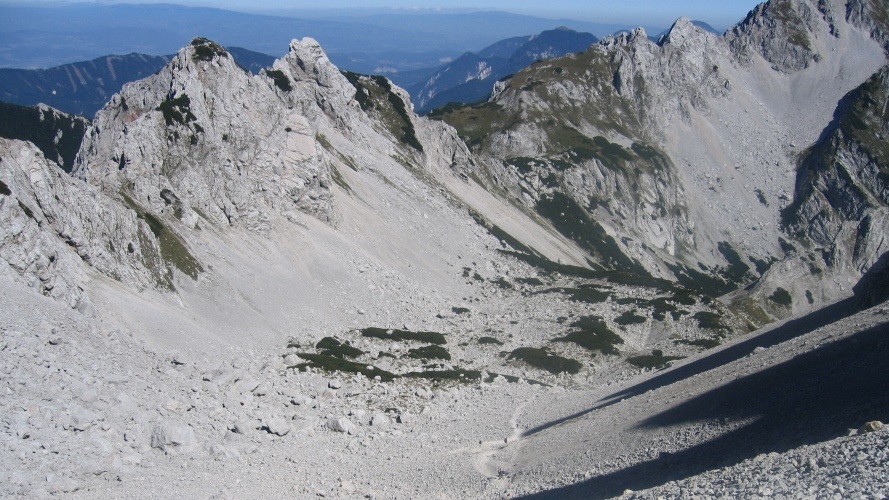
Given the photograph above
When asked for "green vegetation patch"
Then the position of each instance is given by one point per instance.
(500, 234)
(592, 333)
(334, 364)
(475, 123)
(279, 79)
(701, 282)
(530, 281)
(173, 249)
(503, 283)
(330, 346)
(574, 223)
(705, 343)
(710, 320)
(489, 341)
(394, 334)
(374, 93)
(460, 310)
(655, 360)
(4, 189)
(783, 11)
(761, 197)
(540, 358)
(206, 50)
(177, 110)
(429, 352)
(781, 297)
(738, 271)
(588, 294)
(629, 318)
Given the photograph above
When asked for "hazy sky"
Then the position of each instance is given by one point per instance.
(720, 13)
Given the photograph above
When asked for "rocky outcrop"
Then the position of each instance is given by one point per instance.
(53, 224)
(872, 16)
(841, 203)
(202, 143)
(205, 140)
(779, 31)
(582, 129)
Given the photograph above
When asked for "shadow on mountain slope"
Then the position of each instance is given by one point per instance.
(783, 333)
(808, 399)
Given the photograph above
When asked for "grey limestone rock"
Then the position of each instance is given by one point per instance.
(173, 437)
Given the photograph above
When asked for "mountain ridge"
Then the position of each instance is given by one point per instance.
(264, 278)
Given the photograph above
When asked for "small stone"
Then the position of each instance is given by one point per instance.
(872, 426)
(335, 384)
(300, 400)
(82, 419)
(278, 426)
(292, 360)
(172, 436)
(243, 427)
(405, 418)
(246, 385)
(341, 424)
(380, 420)
(222, 451)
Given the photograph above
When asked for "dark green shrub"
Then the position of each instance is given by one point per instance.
(592, 333)
(655, 360)
(332, 363)
(705, 343)
(552, 363)
(177, 110)
(382, 333)
(280, 79)
(710, 320)
(781, 297)
(333, 347)
(430, 352)
(206, 50)
(629, 318)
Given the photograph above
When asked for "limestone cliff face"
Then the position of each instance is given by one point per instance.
(779, 31)
(841, 203)
(204, 139)
(204, 143)
(684, 151)
(51, 224)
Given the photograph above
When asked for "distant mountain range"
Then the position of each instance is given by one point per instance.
(471, 77)
(82, 88)
(397, 40)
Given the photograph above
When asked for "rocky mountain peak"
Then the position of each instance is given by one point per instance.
(205, 140)
(782, 32)
(684, 31)
(311, 82)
